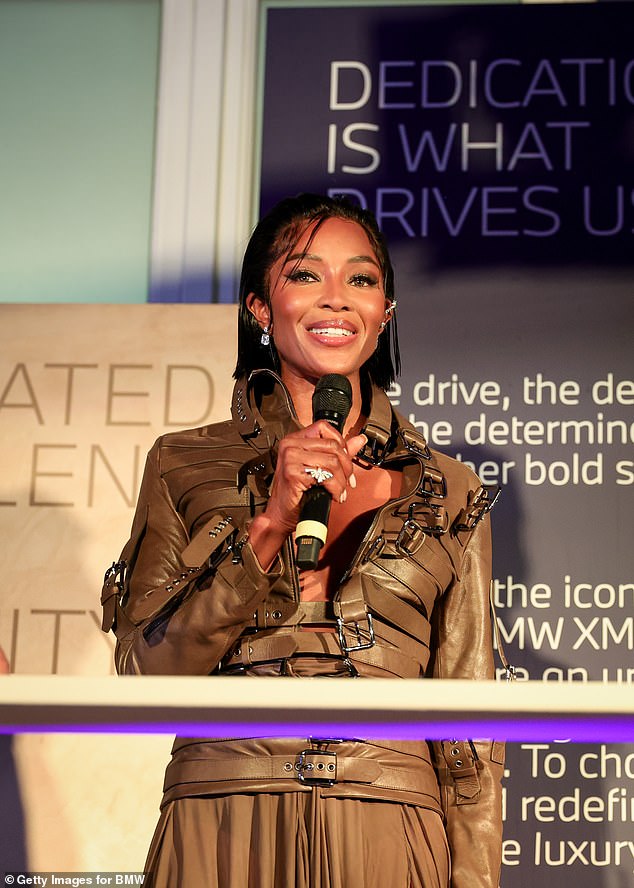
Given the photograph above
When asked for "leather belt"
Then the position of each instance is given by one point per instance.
(259, 648)
(277, 613)
(309, 767)
(461, 761)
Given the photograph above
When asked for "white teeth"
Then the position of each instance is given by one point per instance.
(331, 331)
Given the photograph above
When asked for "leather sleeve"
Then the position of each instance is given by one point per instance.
(463, 649)
(169, 619)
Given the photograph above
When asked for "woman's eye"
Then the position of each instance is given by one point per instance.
(364, 280)
(301, 276)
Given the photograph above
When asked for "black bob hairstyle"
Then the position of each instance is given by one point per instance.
(277, 234)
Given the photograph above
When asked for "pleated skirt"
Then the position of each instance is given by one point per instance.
(297, 840)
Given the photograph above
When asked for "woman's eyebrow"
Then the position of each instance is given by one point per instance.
(299, 257)
(371, 259)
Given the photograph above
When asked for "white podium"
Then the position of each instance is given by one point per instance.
(296, 707)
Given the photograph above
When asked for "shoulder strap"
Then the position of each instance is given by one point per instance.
(511, 673)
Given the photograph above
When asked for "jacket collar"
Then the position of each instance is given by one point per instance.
(263, 413)
(262, 409)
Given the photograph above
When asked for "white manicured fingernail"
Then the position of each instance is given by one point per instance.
(343, 497)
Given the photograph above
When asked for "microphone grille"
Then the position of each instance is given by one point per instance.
(333, 394)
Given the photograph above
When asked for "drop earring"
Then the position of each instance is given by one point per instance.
(265, 338)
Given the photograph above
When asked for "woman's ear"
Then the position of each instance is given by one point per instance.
(259, 309)
(390, 305)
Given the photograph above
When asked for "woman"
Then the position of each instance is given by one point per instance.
(208, 583)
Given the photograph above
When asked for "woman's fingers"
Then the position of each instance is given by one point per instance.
(315, 455)
(320, 446)
(302, 459)
(355, 444)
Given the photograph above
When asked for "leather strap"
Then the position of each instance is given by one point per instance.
(350, 604)
(243, 417)
(511, 672)
(462, 763)
(251, 425)
(207, 540)
(195, 558)
(258, 649)
(400, 614)
(277, 612)
(407, 620)
(348, 769)
(110, 593)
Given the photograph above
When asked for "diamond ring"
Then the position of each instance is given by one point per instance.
(320, 475)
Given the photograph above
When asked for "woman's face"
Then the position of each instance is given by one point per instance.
(327, 302)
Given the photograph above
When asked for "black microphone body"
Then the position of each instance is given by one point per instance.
(332, 400)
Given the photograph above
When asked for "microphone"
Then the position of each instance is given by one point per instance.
(332, 400)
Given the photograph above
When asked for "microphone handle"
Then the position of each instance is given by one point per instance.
(313, 527)
(332, 400)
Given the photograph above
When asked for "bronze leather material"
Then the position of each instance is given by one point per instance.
(218, 842)
(243, 765)
(274, 614)
(265, 648)
(207, 541)
(436, 572)
(462, 763)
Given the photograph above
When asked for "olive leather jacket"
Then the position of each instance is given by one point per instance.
(188, 596)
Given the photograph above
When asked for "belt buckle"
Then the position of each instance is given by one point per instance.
(486, 496)
(360, 645)
(316, 768)
(416, 444)
(433, 483)
(409, 536)
(377, 447)
(115, 572)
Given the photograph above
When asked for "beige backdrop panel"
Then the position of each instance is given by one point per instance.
(84, 391)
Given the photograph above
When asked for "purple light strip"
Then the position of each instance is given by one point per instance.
(615, 729)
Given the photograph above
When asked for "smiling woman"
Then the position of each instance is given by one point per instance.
(277, 237)
(327, 306)
(209, 583)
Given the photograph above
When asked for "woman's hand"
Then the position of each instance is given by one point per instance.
(321, 446)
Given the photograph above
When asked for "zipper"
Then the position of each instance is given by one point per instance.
(294, 571)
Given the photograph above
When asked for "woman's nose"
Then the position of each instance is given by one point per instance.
(334, 297)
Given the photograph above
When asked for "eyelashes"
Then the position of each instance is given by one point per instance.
(301, 276)
(365, 280)
(305, 275)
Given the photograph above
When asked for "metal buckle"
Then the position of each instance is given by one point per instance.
(433, 483)
(286, 665)
(485, 498)
(409, 534)
(317, 741)
(437, 518)
(376, 449)
(235, 547)
(352, 669)
(317, 768)
(360, 645)
(373, 549)
(114, 574)
(415, 443)
(431, 518)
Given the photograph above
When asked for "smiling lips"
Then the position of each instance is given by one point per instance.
(330, 330)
